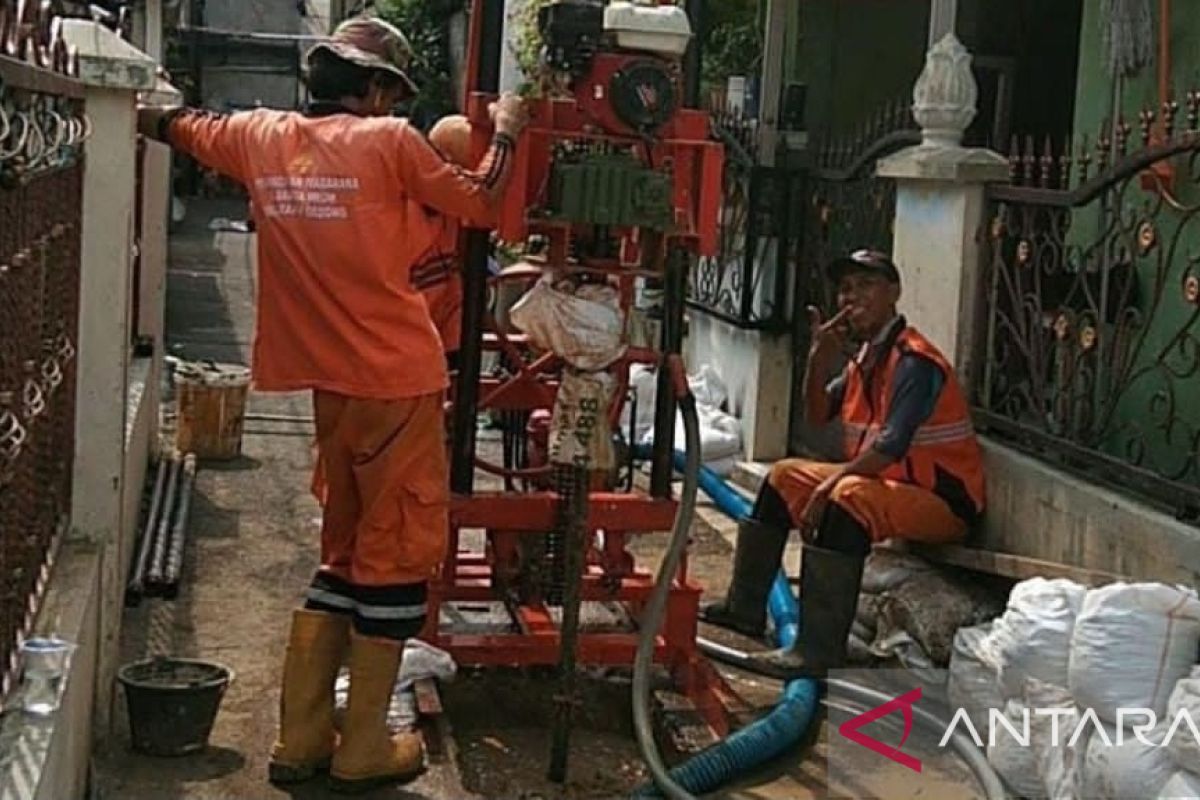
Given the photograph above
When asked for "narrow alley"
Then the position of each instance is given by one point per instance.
(252, 548)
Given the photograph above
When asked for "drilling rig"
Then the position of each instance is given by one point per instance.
(618, 180)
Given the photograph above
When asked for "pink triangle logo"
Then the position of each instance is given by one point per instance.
(904, 704)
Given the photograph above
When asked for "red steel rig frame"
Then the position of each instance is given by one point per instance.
(679, 147)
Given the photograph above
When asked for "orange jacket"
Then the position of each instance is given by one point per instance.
(438, 276)
(339, 202)
(944, 456)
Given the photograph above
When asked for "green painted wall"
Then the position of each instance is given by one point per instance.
(855, 56)
(1152, 399)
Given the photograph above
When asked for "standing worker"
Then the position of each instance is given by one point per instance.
(913, 469)
(338, 195)
(438, 273)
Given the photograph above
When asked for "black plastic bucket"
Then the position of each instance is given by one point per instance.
(172, 703)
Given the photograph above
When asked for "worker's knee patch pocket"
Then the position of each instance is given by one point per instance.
(423, 505)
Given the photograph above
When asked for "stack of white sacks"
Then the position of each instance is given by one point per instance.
(1074, 673)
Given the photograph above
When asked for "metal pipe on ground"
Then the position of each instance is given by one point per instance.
(136, 585)
(158, 559)
(174, 564)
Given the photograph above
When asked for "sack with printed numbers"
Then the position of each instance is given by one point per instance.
(579, 431)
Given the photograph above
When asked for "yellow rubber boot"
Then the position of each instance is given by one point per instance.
(368, 755)
(306, 736)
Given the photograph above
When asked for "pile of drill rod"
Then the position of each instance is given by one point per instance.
(158, 564)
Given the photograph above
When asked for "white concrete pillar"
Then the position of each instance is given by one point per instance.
(940, 207)
(113, 71)
(943, 18)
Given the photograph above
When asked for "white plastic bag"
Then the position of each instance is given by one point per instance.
(420, 660)
(1183, 746)
(1182, 786)
(1130, 769)
(1132, 643)
(1032, 638)
(1058, 763)
(708, 388)
(720, 434)
(643, 380)
(585, 327)
(974, 682)
(1014, 761)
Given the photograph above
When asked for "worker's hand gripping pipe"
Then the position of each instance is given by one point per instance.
(653, 615)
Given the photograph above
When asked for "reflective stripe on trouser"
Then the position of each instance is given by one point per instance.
(381, 477)
(390, 612)
(887, 509)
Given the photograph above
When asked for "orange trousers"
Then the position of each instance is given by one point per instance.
(887, 509)
(381, 477)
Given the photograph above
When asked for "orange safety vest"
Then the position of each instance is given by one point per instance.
(944, 456)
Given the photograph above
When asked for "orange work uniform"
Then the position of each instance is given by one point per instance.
(935, 489)
(438, 276)
(340, 209)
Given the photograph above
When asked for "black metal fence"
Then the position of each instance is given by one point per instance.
(745, 284)
(42, 127)
(779, 224)
(1093, 306)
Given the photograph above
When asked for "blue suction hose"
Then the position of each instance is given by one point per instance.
(785, 726)
(765, 739)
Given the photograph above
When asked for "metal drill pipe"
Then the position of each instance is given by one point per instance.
(573, 506)
(674, 290)
(158, 559)
(137, 581)
(174, 568)
(488, 46)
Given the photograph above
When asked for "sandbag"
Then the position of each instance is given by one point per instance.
(932, 610)
(708, 388)
(1132, 768)
(583, 325)
(974, 683)
(1032, 638)
(867, 613)
(1185, 697)
(1131, 644)
(1182, 786)
(1013, 761)
(1059, 764)
(887, 569)
(720, 434)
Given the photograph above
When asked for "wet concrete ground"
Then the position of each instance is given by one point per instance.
(252, 549)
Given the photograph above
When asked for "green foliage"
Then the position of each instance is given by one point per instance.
(425, 23)
(525, 44)
(733, 42)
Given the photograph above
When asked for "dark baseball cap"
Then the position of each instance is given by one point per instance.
(870, 261)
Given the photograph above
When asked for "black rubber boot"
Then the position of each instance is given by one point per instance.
(756, 559)
(829, 586)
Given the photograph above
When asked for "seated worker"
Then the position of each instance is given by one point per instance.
(914, 470)
(338, 193)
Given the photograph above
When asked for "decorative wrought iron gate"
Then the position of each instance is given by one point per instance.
(42, 128)
(746, 283)
(1093, 307)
